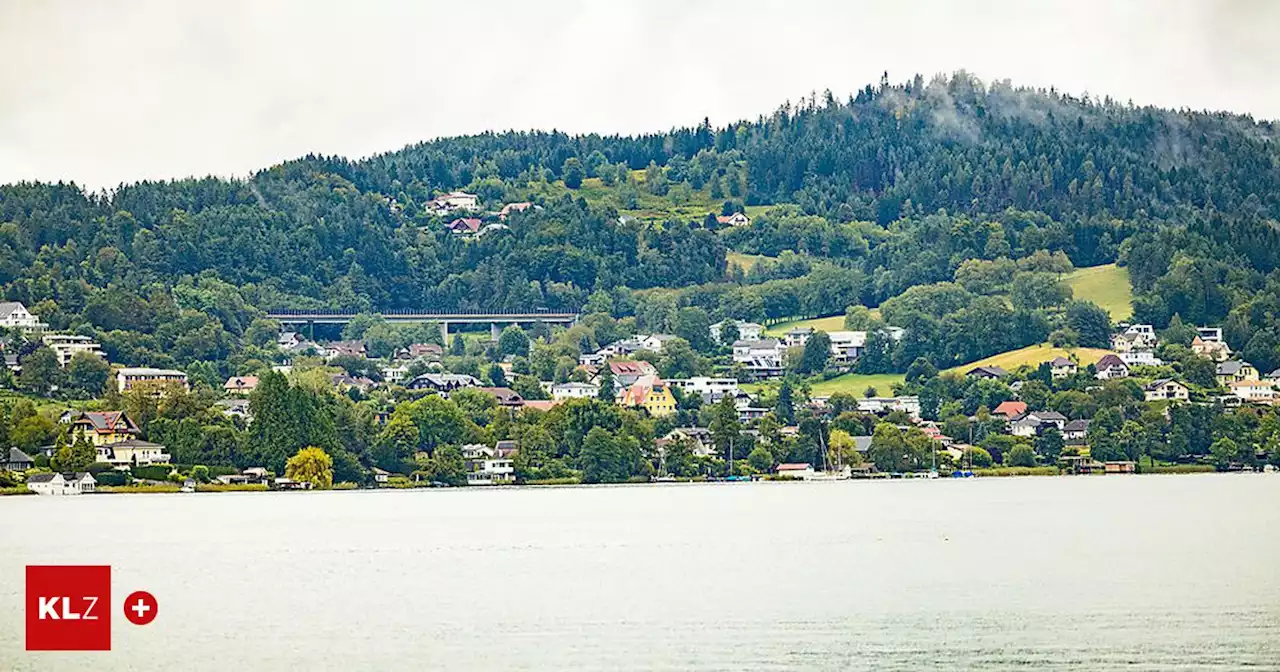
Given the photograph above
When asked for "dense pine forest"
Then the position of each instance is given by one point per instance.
(961, 190)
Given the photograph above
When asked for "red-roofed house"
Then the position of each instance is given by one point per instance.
(513, 207)
(465, 226)
(627, 372)
(736, 219)
(506, 396)
(803, 471)
(542, 404)
(240, 384)
(103, 427)
(1010, 409)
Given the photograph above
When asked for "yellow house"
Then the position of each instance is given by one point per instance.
(650, 393)
(1234, 371)
(103, 428)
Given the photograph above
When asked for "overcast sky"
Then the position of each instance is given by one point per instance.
(110, 92)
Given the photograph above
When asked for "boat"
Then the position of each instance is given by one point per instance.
(188, 485)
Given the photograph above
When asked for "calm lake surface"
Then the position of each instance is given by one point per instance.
(1088, 573)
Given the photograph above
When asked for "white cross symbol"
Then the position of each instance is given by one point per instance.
(141, 608)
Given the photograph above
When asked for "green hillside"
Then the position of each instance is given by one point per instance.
(830, 323)
(1108, 286)
(1033, 355)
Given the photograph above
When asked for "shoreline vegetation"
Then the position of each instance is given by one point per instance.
(992, 472)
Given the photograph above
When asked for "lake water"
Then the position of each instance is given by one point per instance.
(1089, 573)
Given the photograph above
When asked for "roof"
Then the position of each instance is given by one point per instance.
(987, 371)
(148, 371)
(1231, 367)
(762, 344)
(515, 207)
(16, 455)
(1250, 383)
(1160, 382)
(106, 421)
(134, 443)
(541, 404)
(571, 385)
(237, 382)
(1011, 408)
(794, 466)
(1045, 416)
(1081, 425)
(1109, 361)
(7, 308)
(446, 380)
(505, 395)
(627, 367)
(471, 224)
(42, 478)
(1061, 361)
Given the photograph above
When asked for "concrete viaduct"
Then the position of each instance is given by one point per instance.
(494, 320)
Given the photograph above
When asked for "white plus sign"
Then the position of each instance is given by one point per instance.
(141, 608)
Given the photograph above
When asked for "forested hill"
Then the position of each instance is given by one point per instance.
(1009, 172)
(951, 144)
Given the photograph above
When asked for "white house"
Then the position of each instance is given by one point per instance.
(881, 405)
(497, 471)
(14, 315)
(736, 219)
(396, 373)
(847, 346)
(654, 342)
(1166, 389)
(1140, 358)
(65, 346)
(1035, 422)
(1209, 334)
(797, 337)
(710, 389)
(747, 331)
(1061, 367)
(454, 200)
(1111, 366)
(123, 454)
(744, 348)
(1254, 391)
(802, 471)
(572, 390)
(764, 358)
(62, 484)
(153, 380)
(698, 437)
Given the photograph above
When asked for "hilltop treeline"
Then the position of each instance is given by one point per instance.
(892, 188)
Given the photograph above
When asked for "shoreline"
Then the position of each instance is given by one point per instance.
(1001, 473)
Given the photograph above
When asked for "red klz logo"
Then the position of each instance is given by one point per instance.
(68, 608)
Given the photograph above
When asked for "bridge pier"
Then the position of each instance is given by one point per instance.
(494, 332)
(444, 335)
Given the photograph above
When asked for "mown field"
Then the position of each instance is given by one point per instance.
(1108, 286)
(857, 383)
(831, 323)
(1033, 355)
